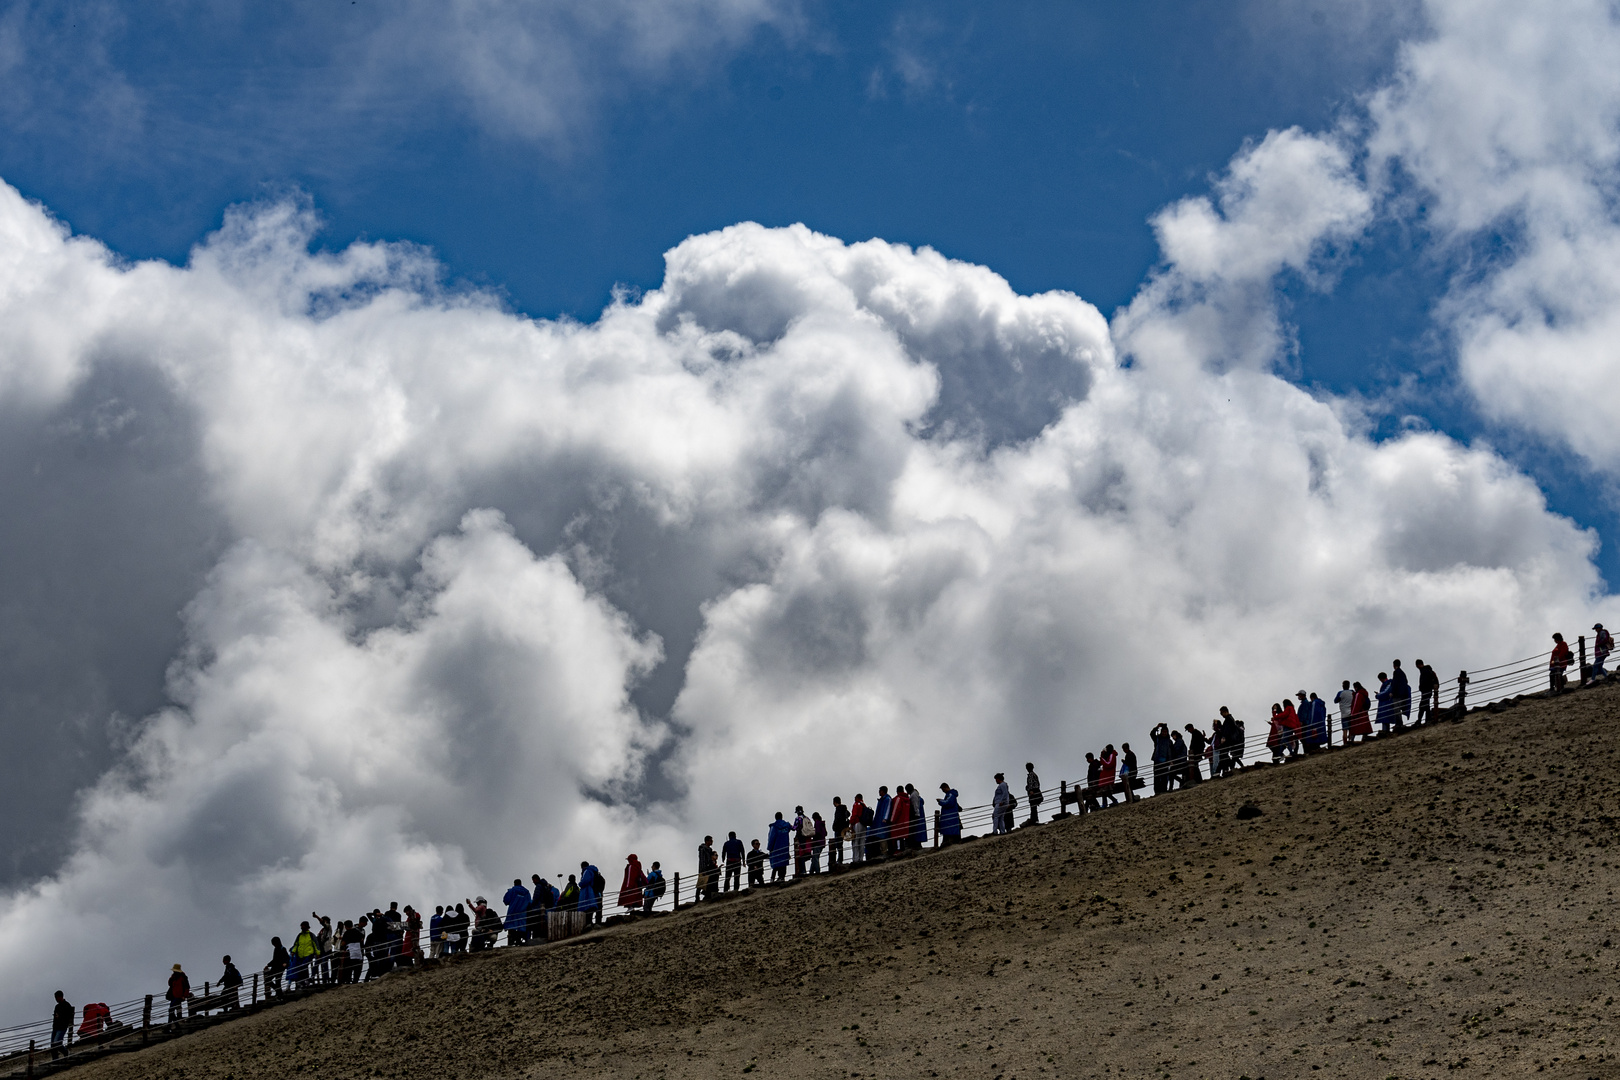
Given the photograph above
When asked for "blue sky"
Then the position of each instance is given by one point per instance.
(1036, 140)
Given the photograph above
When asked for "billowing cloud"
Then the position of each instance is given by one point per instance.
(476, 595)
(1507, 122)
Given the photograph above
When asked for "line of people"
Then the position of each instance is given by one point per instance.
(890, 826)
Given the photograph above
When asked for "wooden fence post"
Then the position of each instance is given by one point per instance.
(254, 1000)
(677, 905)
(146, 1019)
(1583, 659)
(30, 1057)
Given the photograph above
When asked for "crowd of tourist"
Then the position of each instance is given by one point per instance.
(892, 825)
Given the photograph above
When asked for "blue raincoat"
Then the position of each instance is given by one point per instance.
(588, 894)
(778, 843)
(517, 908)
(950, 815)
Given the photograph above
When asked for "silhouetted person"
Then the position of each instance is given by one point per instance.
(1602, 646)
(180, 989)
(1001, 806)
(756, 865)
(276, 968)
(1558, 663)
(732, 852)
(1401, 695)
(653, 890)
(1127, 769)
(228, 984)
(836, 837)
(1428, 693)
(61, 1024)
(1032, 791)
(708, 882)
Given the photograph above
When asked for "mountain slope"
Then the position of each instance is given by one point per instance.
(1438, 901)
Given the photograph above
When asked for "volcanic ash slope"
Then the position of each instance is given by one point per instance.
(1438, 901)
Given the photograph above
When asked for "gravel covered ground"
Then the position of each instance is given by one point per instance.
(1437, 902)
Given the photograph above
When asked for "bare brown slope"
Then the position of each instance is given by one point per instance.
(1438, 901)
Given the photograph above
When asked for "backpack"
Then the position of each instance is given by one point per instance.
(1012, 802)
(807, 828)
(867, 817)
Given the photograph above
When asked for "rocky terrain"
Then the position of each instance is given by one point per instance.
(1431, 905)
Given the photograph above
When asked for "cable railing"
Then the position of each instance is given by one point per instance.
(25, 1047)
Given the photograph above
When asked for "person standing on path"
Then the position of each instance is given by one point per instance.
(1602, 646)
(517, 900)
(229, 984)
(1401, 692)
(180, 986)
(1001, 806)
(818, 841)
(591, 884)
(919, 818)
(899, 819)
(1558, 664)
(708, 880)
(1345, 699)
(732, 852)
(1162, 748)
(860, 819)
(61, 1024)
(1388, 710)
(1127, 770)
(756, 866)
(1108, 770)
(631, 887)
(1428, 693)
(950, 817)
(1196, 743)
(303, 953)
(653, 890)
(838, 834)
(779, 842)
(1032, 791)
(878, 835)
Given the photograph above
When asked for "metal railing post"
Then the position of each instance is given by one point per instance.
(676, 906)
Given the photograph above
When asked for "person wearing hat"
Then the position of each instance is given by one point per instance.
(179, 991)
(1558, 663)
(1602, 646)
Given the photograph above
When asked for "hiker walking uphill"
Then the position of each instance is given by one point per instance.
(61, 1024)
(229, 983)
(180, 990)
(1428, 693)
(1402, 695)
